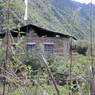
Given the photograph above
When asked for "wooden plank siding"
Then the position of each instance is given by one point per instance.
(61, 46)
(61, 43)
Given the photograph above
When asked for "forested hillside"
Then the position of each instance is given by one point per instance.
(52, 14)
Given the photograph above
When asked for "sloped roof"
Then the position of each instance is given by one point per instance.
(47, 31)
(39, 29)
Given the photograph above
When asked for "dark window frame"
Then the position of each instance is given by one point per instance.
(30, 47)
(49, 48)
(14, 47)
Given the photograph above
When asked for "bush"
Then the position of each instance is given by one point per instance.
(81, 47)
(34, 62)
(81, 50)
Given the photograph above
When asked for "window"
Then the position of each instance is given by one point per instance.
(49, 48)
(14, 47)
(30, 47)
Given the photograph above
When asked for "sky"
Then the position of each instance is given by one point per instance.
(85, 1)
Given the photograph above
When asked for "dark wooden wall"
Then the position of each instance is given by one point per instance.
(61, 45)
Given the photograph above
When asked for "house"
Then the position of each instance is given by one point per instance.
(40, 39)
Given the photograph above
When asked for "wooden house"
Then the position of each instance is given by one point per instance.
(40, 39)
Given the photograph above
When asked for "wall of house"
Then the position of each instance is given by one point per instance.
(61, 45)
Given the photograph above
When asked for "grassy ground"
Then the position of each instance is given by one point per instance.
(33, 90)
(39, 90)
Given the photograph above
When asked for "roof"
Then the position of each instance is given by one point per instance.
(39, 30)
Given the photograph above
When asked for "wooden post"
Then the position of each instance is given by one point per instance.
(92, 76)
(7, 47)
(71, 62)
(51, 76)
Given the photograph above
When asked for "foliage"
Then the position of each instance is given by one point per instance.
(81, 50)
(80, 71)
(81, 47)
(37, 83)
(20, 68)
(34, 62)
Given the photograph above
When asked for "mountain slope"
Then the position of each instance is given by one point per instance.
(53, 14)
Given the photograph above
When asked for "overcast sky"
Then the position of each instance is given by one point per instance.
(85, 1)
